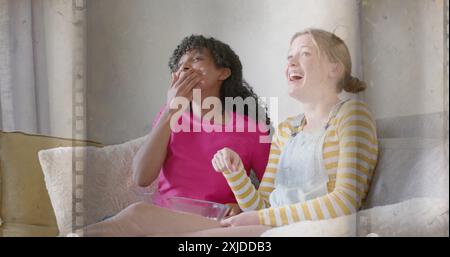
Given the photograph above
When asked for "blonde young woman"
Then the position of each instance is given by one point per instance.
(321, 162)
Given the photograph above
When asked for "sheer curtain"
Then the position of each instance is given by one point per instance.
(40, 53)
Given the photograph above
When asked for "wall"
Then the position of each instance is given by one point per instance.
(403, 56)
(129, 44)
(404, 60)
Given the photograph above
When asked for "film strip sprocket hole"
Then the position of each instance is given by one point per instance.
(78, 114)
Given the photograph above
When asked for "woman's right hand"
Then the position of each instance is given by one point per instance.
(182, 84)
(226, 159)
(234, 210)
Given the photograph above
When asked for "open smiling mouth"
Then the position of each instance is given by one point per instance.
(295, 77)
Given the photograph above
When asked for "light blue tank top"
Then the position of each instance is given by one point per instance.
(301, 172)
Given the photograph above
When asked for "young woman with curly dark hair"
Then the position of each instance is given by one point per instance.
(181, 160)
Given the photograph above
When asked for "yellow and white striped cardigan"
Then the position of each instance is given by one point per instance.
(350, 154)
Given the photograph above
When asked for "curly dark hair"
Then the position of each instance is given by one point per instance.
(224, 57)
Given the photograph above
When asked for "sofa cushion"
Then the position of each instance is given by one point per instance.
(23, 196)
(414, 217)
(27, 230)
(408, 168)
(107, 184)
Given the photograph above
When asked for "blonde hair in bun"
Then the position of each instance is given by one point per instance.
(353, 85)
(336, 50)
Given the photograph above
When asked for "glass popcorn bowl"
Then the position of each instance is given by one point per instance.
(203, 208)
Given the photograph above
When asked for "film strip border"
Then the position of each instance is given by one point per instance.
(446, 39)
(78, 113)
(446, 62)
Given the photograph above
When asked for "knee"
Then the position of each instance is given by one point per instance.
(138, 207)
(142, 209)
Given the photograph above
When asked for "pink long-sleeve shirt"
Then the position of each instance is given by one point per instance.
(187, 170)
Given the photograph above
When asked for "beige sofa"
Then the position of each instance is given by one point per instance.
(408, 196)
(25, 207)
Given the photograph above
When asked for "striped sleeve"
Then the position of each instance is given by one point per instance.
(245, 192)
(355, 162)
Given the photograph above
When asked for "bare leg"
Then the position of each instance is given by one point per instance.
(142, 219)
(240, 231)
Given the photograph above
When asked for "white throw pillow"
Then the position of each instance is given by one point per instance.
(414, 217)
(107, 182)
